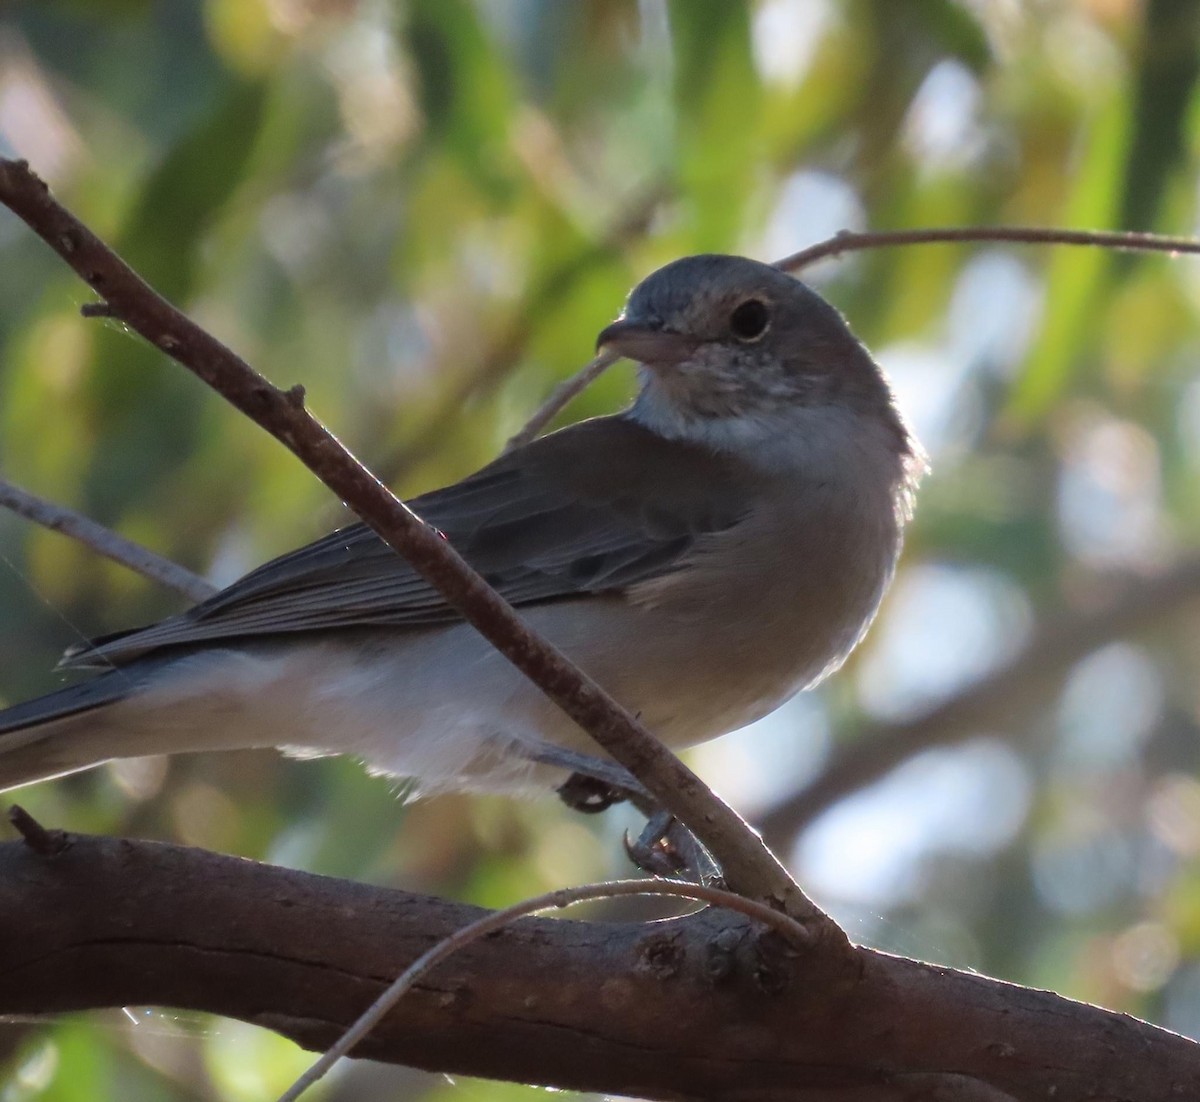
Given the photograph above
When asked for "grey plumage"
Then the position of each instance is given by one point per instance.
(538, 524)
(706, 554)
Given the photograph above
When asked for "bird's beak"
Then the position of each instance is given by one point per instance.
(646, 342)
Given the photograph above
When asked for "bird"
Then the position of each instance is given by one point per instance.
(715, 548)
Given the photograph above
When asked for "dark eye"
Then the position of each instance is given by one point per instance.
(750, 320)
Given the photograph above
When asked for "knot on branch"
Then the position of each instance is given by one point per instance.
(661, 956)
(774, 962)
(43, 842)
(720, 954)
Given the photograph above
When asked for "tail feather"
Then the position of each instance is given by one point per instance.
(48, 736)
(28, 716)
(172, 703)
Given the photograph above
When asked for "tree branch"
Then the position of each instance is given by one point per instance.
(505, 352)
(701, 1007)
(748, 865)
(708, 1006)
(996, 700)
(848, 241)
(496, 921)
(560, 397)
(103, 541)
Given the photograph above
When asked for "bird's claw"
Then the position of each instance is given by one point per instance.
(664, 848)
(667, 848)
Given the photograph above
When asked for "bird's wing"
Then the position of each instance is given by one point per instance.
(593, 508)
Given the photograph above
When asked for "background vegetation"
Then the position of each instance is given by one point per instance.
(425, 210)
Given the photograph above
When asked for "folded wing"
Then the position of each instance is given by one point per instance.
(594, 508)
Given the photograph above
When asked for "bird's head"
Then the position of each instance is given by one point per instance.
(722, 337)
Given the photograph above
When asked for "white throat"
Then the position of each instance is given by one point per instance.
(831, 443)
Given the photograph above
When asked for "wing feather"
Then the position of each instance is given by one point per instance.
(566, 515)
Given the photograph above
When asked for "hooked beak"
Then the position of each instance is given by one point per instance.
(646, 343)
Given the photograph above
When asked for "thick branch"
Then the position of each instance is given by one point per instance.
(748, 865)
(704, 1007)
(493, 922)
(996, 701)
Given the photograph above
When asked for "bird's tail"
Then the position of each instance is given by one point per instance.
(65, 731)
(179, 702)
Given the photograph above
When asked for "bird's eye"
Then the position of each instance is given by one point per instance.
(750, 320)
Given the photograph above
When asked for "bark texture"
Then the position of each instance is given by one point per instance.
(708, 1006)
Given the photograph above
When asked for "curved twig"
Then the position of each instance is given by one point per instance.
(506, 351)
(847, 241)
(560, 397)
(489, 924)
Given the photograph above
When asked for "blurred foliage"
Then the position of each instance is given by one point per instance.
(423, 211)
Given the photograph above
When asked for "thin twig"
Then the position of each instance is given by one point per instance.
(505, 352)
(797, 934)
(560, 397)
(749, 867)
(43, 841)
(847, 241)
(993, 702)
(137, 558)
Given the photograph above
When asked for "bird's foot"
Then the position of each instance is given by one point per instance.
(667, 848)
(664, 848)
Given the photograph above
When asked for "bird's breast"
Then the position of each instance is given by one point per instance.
(756, 613)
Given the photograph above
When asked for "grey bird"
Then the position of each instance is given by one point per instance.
(717, 547)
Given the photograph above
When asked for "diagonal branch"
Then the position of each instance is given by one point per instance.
(560, 397)
(104, 541)
(748, 865)
(995, 700)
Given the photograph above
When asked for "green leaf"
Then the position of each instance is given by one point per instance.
(1077, 276)
(718, 98)
(1162, 98)
(954, 29)
(465, 89)
(165, 227)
